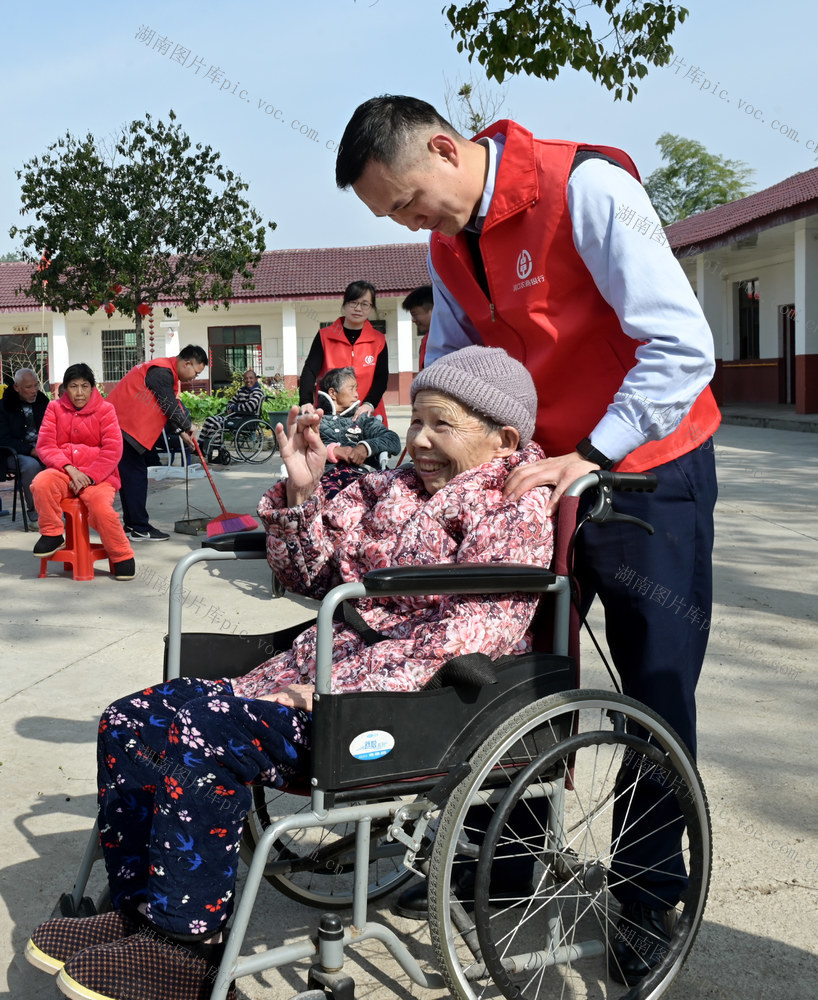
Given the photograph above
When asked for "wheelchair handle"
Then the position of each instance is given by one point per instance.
(636, 482)
(605, 483)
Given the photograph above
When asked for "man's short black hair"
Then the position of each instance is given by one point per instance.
(378, 131)
(79, 371)
(193, 353)
(422, 296)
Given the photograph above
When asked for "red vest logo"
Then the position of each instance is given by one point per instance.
(369, 359)
(524, 264)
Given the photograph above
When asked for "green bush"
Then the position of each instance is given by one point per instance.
(278, 402)
(201, 405)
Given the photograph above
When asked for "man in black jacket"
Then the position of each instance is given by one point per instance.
(21, 412)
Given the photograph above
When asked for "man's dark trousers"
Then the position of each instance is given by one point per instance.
(133, 493)
(657, 591)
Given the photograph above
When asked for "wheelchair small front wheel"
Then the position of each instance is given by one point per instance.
(540, 846)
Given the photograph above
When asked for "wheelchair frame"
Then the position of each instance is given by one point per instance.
(494, 771)
(242, 436)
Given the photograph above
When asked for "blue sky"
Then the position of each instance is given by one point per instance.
(742, 83)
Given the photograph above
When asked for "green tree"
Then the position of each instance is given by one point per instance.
(149, 215)
(9, 258)
(694, 180)
(616, 44)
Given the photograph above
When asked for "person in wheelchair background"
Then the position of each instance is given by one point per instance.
(354, 444)
(176, 760)
(246, 403)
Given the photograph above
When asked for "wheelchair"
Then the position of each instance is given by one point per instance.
(493, 765)
(242, 438)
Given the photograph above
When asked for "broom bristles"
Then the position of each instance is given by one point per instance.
(225, 524)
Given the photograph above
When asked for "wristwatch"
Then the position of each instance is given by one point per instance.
(587, 450)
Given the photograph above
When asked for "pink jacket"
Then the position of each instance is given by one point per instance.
(89, 438)
(388, 519)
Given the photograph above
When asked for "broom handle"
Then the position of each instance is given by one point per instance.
(204, 466)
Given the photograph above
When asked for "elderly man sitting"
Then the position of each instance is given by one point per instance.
(171, 860)
(22, 409)
(246, 403)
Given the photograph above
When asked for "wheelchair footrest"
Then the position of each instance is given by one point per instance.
(65, 907)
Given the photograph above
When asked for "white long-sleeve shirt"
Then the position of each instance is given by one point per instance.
(619, 238)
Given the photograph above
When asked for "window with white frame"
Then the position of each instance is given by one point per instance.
(119, 354)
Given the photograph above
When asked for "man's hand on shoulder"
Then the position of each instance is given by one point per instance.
(558, 472)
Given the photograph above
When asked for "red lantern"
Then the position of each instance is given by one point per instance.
(109, 308)
(143, 309)
(117, 289)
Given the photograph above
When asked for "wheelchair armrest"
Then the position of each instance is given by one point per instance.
(238, 541)
(460, 578)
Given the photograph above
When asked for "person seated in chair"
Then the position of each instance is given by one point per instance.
(353, 445)
(246, 403)
(22, 409)
(81, 444)
(176, 760)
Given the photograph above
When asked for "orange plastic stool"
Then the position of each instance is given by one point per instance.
(78, 551)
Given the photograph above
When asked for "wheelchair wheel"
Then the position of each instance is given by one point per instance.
(571, 794)
(255, 441)
(315, 866)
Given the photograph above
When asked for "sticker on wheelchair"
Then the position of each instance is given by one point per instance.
(372, 745)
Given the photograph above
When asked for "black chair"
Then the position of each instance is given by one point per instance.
(7, 454)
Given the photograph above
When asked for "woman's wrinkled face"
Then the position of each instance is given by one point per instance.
(346, 395)
(445, 438)
(79, 392)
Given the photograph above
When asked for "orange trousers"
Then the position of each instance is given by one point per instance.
(51, 486)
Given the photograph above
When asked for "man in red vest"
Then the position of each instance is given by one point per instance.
(553, 251)
(145, 400)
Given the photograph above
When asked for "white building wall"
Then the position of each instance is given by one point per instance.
(79, 336)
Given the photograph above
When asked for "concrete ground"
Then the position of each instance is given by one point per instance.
(69, 648)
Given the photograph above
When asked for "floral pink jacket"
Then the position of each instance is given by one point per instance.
(388, 519)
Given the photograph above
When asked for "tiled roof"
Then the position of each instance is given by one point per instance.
(793, 198)
(283, 275)
(393, 268)
(12, 276)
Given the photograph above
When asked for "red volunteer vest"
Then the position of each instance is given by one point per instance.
(362, 356)
(422, 353)
(136, 408)
(545, 309)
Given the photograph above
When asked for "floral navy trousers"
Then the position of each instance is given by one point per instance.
(176, 762)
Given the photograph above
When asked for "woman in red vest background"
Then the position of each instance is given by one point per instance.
(351, 341)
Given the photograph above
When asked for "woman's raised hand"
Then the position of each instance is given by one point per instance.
(303, 452)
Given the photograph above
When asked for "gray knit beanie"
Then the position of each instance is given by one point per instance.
(488, 381)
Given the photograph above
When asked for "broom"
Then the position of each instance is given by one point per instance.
(225, 522)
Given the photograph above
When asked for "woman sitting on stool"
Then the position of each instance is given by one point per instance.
(80, 444)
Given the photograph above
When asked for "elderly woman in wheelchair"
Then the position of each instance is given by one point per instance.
(170, 756)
